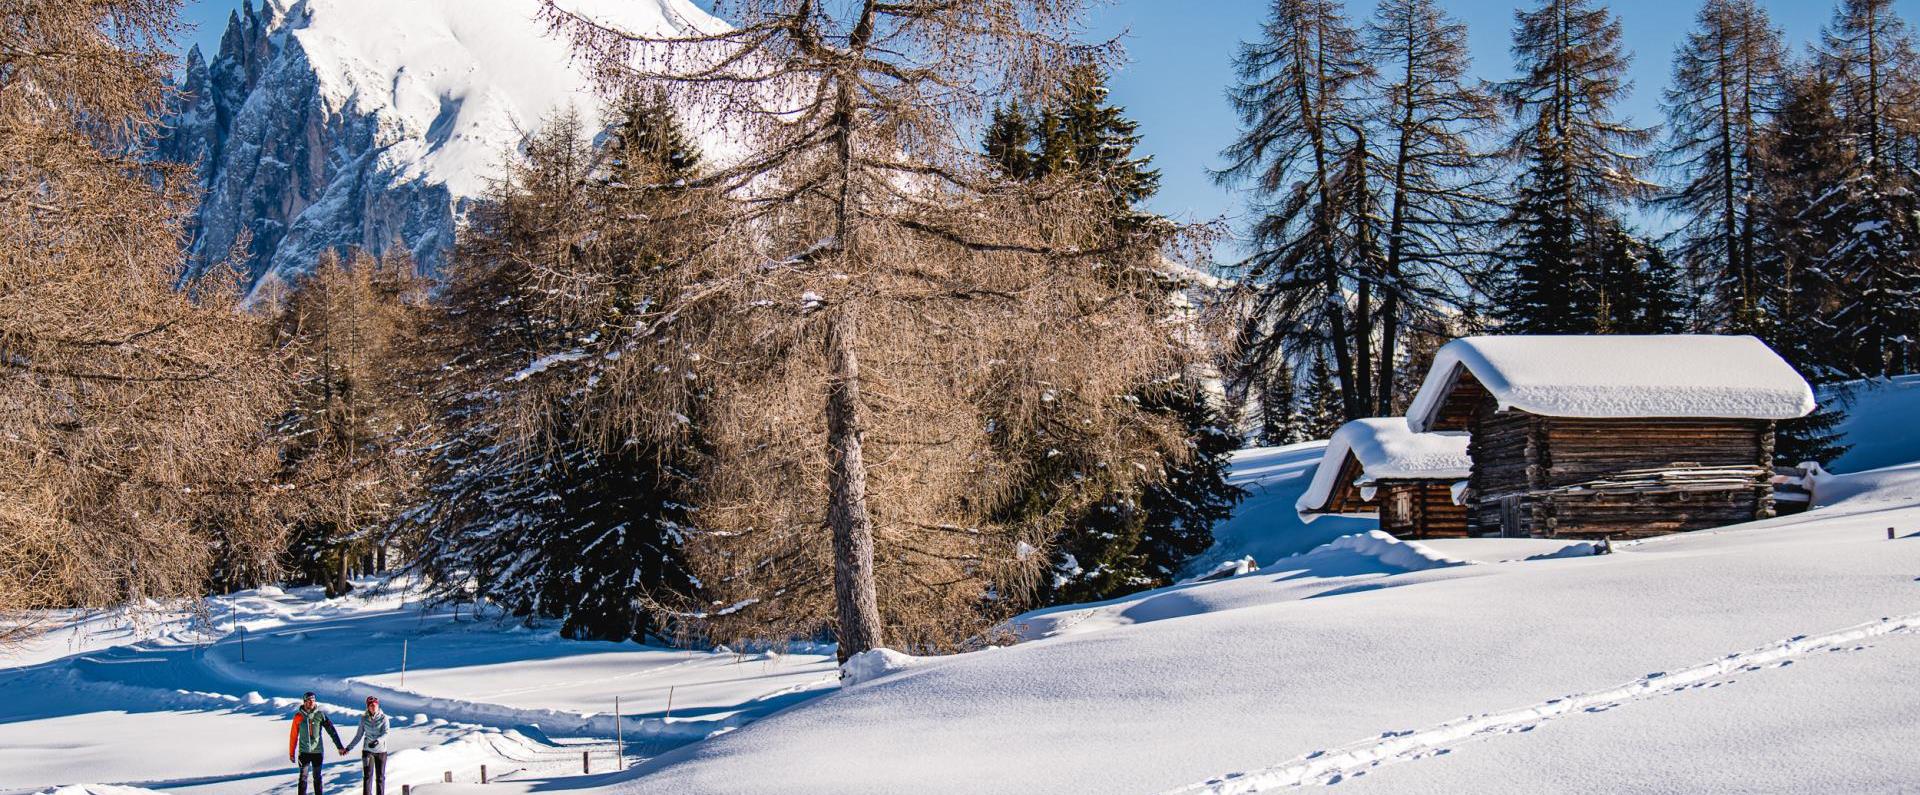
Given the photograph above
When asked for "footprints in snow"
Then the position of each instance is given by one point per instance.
(1332, 766)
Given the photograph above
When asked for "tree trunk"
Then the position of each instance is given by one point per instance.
(856, 605)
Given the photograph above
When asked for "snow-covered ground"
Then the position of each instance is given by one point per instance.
(1265, 526)
(190, 703)
(1399, 664)
(1765, 657)
(1879, 423)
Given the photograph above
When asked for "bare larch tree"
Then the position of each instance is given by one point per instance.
(133, 418)
(1300, 126)
(1726, 86)
(1439, 193)
(869, 263)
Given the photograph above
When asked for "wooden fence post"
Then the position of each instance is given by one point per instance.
(483, 774)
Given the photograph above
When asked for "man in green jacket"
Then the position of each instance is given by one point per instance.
(304, 742)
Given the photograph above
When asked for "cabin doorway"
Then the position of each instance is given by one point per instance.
(1510, 525)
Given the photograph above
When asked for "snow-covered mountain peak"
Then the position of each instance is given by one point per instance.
(456, 82)
(323, 124)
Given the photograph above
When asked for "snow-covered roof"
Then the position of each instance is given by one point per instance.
(1676, 375)
(1387, 450)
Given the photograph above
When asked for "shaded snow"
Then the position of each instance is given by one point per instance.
(1265, 525)
(1880, 419)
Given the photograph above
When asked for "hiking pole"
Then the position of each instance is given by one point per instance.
(619, 738)
(403, 662)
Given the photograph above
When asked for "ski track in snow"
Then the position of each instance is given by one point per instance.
(1331, 766)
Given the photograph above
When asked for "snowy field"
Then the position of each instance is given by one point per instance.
(1765, 657)
(169, 701)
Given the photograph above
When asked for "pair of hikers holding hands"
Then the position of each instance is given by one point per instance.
(304, 745)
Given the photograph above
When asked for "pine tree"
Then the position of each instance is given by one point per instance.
(1863, 50)
(1576, 162)
(132, 457)
(527, 505)
(872, 318)
(350, 329)
(1100, 140)
(1009, 140)
(1134, 538)
(1280, 420)
(1323, 413)
(1664, 305)
(1299, 118)
(1726, 83)
(1870, 223)
(1872, 257)
(1806, 154)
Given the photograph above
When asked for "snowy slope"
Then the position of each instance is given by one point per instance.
(1774, 656)
(328, 123)
(1289, 676)
(1265, 525)
(1880, 423)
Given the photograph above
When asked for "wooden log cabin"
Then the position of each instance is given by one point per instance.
(1381, 467)
(1612, 436)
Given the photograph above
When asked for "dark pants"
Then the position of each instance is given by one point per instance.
(373, 768)
(311, 762)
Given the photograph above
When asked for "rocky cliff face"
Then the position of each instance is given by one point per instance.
(333, 124)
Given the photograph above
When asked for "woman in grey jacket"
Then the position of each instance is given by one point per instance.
(373, 756)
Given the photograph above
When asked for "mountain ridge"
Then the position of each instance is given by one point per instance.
(311, 130)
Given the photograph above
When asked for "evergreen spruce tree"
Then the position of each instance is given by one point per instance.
(1576, 163)
(1009, 142)
(1665, 301)
(1280, 419)
(1872, 257)
(1323, 415)
(1098, 138)
(1868, 52)
(1132, 540)
(528, 506)
(1806, 155)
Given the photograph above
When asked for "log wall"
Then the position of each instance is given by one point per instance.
(1624, 478)
(1431, 512)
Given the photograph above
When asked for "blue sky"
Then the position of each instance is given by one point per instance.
(1181, 54)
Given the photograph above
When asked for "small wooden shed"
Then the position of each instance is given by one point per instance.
(1623, 436)
(1380, 466)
